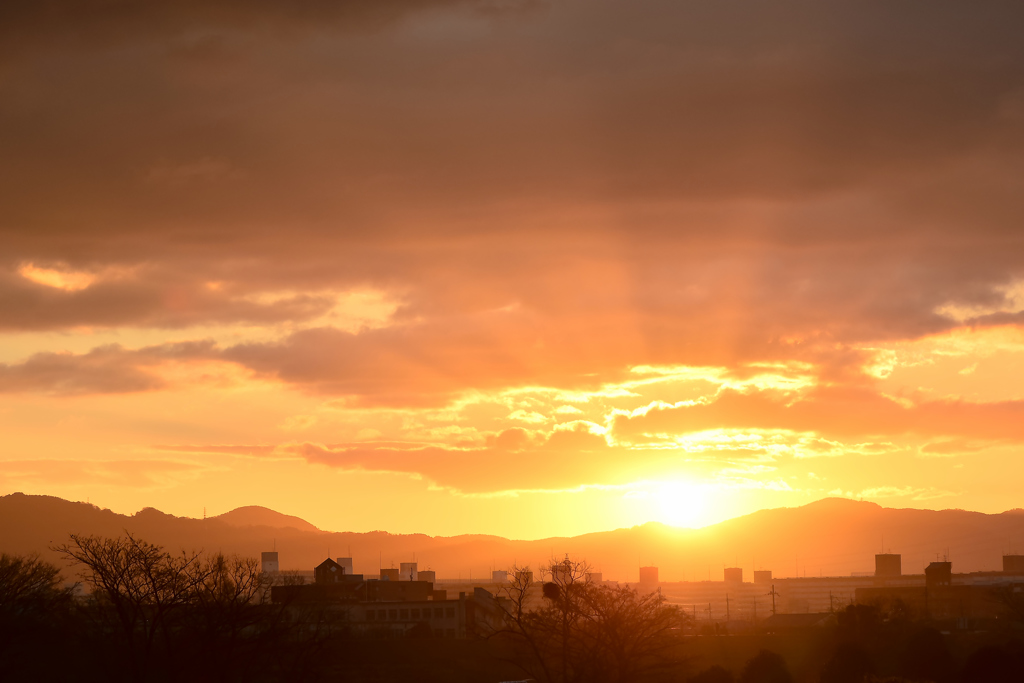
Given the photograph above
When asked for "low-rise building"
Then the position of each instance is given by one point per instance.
(385, 607)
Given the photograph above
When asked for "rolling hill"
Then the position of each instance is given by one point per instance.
(832, 537)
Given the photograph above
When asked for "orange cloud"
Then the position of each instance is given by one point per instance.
(830, 412)
(517, 245)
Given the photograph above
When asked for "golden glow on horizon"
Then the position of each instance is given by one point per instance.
(317, 259)
(717, 473)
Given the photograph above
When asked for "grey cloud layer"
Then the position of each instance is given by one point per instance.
(147, 299)
(104, 370)
(637, 182)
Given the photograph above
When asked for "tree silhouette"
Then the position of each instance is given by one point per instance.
(992, 664)
(926, 657)
(849, 664)
(35, 613)
(715, 674)
(136, 587)
(29, 586)
(574, 630)
(188, 615)
(1012, 600)
(765, 667)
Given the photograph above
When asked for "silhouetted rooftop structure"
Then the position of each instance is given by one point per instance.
(648, 575)
(888, 565)
(329, 571)
(938, 574)
(1013, 564)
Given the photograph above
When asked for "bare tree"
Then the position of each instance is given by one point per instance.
(35, 612)
(570, 629)
(172, 611)
(30, 586)
(228, 600)
(139, 583)
(639, 636)
(1012, 600)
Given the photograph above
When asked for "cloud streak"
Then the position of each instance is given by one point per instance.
(841, 413)
(104, 370)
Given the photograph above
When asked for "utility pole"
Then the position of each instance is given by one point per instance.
(726, 608)
(773, 593)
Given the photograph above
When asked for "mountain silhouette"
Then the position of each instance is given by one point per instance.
(256, 515)
(833, 537)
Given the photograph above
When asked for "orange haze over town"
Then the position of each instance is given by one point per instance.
(521, 268)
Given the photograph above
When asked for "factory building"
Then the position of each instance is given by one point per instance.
(888, 565)
(649, 577)
(964, 600)
(1013, 564)
(938, 574)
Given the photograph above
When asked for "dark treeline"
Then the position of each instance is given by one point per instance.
(148, 615)
(142, 614)
(885, 641)
(877, 643)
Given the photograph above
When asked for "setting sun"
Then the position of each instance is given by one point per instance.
(682, 504)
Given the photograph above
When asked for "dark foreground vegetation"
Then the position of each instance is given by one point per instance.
(143, 614)
(147, 615)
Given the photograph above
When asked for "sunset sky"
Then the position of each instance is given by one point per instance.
(522, 267)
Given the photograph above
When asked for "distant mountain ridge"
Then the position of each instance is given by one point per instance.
(833, 536)
(257, 515)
